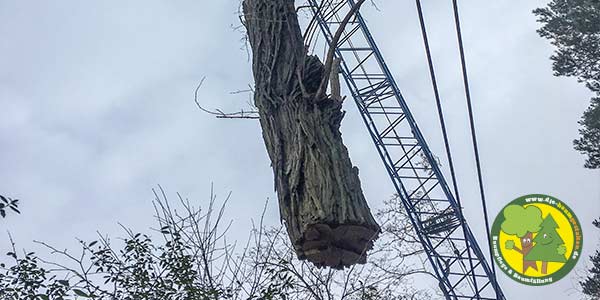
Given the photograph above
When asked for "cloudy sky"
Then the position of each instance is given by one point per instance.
(97, 109)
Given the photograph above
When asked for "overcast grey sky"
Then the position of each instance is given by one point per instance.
(97, 108)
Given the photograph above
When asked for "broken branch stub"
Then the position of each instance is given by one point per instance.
(320, 199)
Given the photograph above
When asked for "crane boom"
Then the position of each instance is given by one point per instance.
(457, 260)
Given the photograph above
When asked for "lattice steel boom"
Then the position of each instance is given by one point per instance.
(457, 260)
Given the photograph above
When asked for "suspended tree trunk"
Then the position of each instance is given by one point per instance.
(320, 199)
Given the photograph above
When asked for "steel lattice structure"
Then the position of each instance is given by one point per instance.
(457, 259)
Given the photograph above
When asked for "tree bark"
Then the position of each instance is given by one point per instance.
(320, 199)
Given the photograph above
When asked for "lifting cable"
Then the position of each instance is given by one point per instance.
(444, 132)
(473, 134)
(438, 103)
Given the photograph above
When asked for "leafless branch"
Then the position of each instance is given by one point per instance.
(333, 46)
(242, 114)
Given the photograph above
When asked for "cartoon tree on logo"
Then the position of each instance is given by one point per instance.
(522, 222)
(549, 246)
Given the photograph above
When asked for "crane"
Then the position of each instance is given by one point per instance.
(458, 262)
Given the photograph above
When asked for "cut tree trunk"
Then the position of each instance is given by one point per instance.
(320, 199)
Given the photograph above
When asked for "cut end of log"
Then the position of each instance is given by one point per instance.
(336, 246)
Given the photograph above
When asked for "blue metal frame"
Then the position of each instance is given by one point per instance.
(457, 260)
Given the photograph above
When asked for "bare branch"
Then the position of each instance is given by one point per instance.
(242, 114)
(333, 45)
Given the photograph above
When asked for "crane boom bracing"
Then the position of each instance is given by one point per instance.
(457, 260)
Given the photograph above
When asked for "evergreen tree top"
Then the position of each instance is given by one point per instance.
(547, 233)
(549, 222)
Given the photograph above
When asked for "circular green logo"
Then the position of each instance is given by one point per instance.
(536, 239)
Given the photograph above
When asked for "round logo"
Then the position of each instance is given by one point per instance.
(536, 239)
